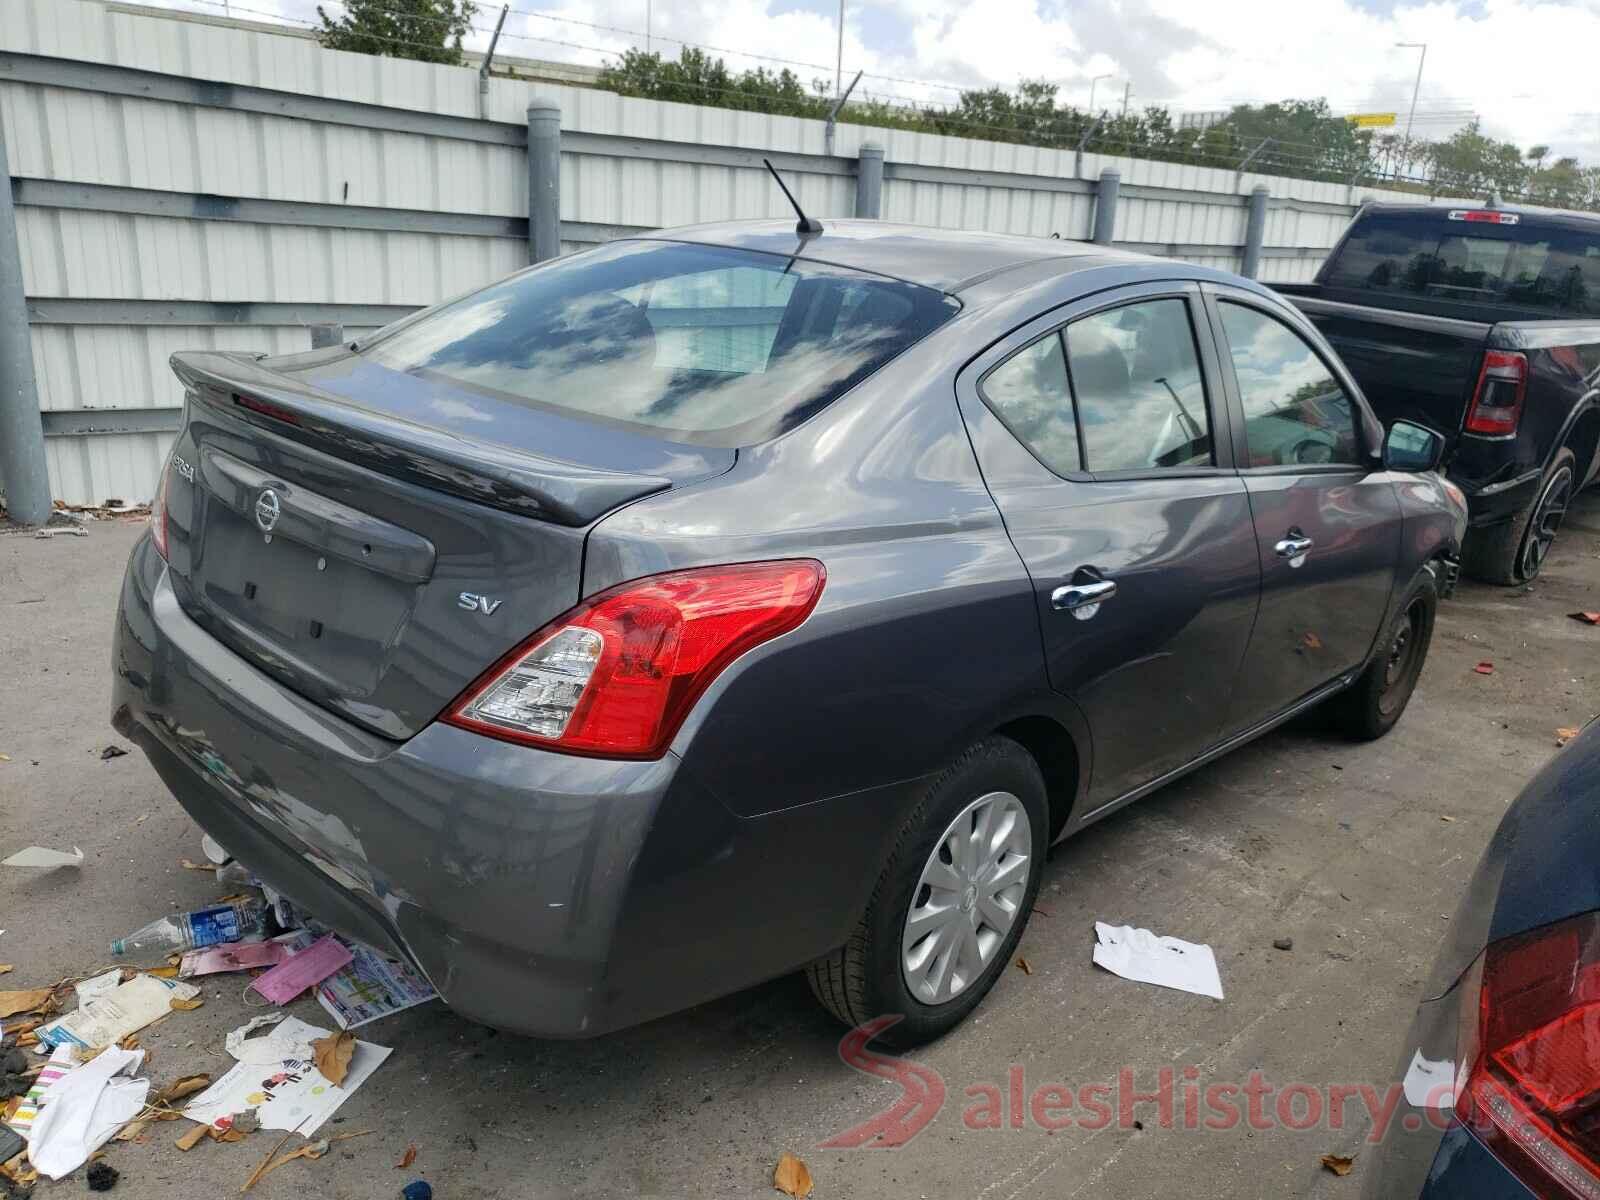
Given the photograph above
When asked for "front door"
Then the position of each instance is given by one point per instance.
(1327, 520)
(1102, 436)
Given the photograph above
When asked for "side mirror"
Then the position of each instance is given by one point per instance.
(1409, 447)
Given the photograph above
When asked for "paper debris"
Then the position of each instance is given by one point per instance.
(303, 970)
(234, 956)
(1338, 1163)
(59, 1063)
(1146, 957)
(290, 1093)
(1429, 1084)
(12, 1003)
(1484, 668)
(83, 1109)
(265, 1051)
(371, 987)
(91, 989)
(791, 1177)
(125, 1009)
(42, 856)
(332, 1055)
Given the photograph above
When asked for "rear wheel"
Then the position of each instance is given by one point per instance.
(1515, 551)
(1372, 705)
(951, 902)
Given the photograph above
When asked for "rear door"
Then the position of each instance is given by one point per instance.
(1104, 440)
(1327, 521)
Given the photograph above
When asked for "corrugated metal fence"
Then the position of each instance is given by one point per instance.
(182, 186)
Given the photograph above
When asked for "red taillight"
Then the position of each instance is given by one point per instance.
(1497, 402)
(616, 676)
(158, 511)
(1530, 1052)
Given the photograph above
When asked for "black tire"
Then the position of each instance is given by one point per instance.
(863, 979)
(1372, 705)
(1513, 551)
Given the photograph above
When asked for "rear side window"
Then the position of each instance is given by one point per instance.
(1029, 393)
(1469, 262)
(698, 344)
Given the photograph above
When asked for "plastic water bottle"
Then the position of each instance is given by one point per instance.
(189, 931)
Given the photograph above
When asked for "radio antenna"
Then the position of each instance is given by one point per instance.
(805, 224)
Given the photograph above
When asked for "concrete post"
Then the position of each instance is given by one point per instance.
(1105, 206)
(327, 334)
(869, 181)
(22, 463)
(544, 181)
(1254, 230)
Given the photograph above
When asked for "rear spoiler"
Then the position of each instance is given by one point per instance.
(483, 471)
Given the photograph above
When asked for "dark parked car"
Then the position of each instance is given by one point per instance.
(1501, 1066)
(1480, 323)
(687, 611)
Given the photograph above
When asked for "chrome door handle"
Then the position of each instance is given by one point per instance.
(1083, 600)
(1293, 546)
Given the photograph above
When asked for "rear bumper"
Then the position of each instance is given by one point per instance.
(538, 892)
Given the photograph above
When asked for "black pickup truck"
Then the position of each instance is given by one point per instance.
(1484, 324)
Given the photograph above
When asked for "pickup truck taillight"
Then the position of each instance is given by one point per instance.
(1497, 402)
(616, 676)
(1530, 1027)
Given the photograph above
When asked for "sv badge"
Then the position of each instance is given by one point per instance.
(473, 602)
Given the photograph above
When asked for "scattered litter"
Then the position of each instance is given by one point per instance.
(187, 1004)
(1283, 943)
(180, 1089)
(266, 1051)
(212, 849)
(93, 989)
(58, 1064)
(303, 970)
(84, 1108)
(245, 956)
(5, 758)
(791, 1177)
(102, 1177)
(188, 864)
(295, 1096)
(1588, 618)
(1429, 1084)
(59, 530)
(1145, 957)
(1025, 966)
(40, 856)
(1447, 819)
(371, 987)
(1484, 668)
(189, 931)
(417, 1189)
(1565, 735)
(1338, 1164)
(406, 1159)
(111, 752)
(332, 1055)
(193, 1138)
(126, 1008)
(33, 1000)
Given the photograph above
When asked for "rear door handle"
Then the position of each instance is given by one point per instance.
(1083, 600)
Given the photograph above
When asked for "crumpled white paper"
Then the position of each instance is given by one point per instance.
(1145, 957)
(271, 1049)
(83, 1109)
(1430, 1084)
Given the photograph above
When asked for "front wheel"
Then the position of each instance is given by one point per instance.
(951, 902)
(1372, 705)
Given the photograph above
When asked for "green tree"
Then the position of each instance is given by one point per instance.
(425, 30)
(1469, 163)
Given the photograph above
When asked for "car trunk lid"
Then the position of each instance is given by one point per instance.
(375, 540)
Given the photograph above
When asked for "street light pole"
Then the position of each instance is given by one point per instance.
(1092, 83)
(1417, 87)
(1126, 92)
(838, 67)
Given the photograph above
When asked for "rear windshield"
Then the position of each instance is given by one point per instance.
(1525, 266)
(698, 344)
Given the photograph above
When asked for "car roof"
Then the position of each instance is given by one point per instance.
(947, 259)
(1564, 218)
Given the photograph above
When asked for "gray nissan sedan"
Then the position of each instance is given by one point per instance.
(735, 599)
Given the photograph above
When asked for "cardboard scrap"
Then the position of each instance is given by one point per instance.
(125, 1009)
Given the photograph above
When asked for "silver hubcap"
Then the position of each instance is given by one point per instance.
(968, 897)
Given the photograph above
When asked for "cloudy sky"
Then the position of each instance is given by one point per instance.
(1524, 66)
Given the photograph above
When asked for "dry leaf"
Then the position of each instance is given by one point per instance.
(791, 1177)
(132, 1131)
(1565, 735)
(180, 1005)
(406, 1159)
(1027, 967)
(1338, 1163)
(1442, 817)
(162, 972)
(332, 1055)
(190, 865)
(129, 1042)
(193, 1138)
(178, 1089)
(5, 968)
(1483, 668)
(12, 1003)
